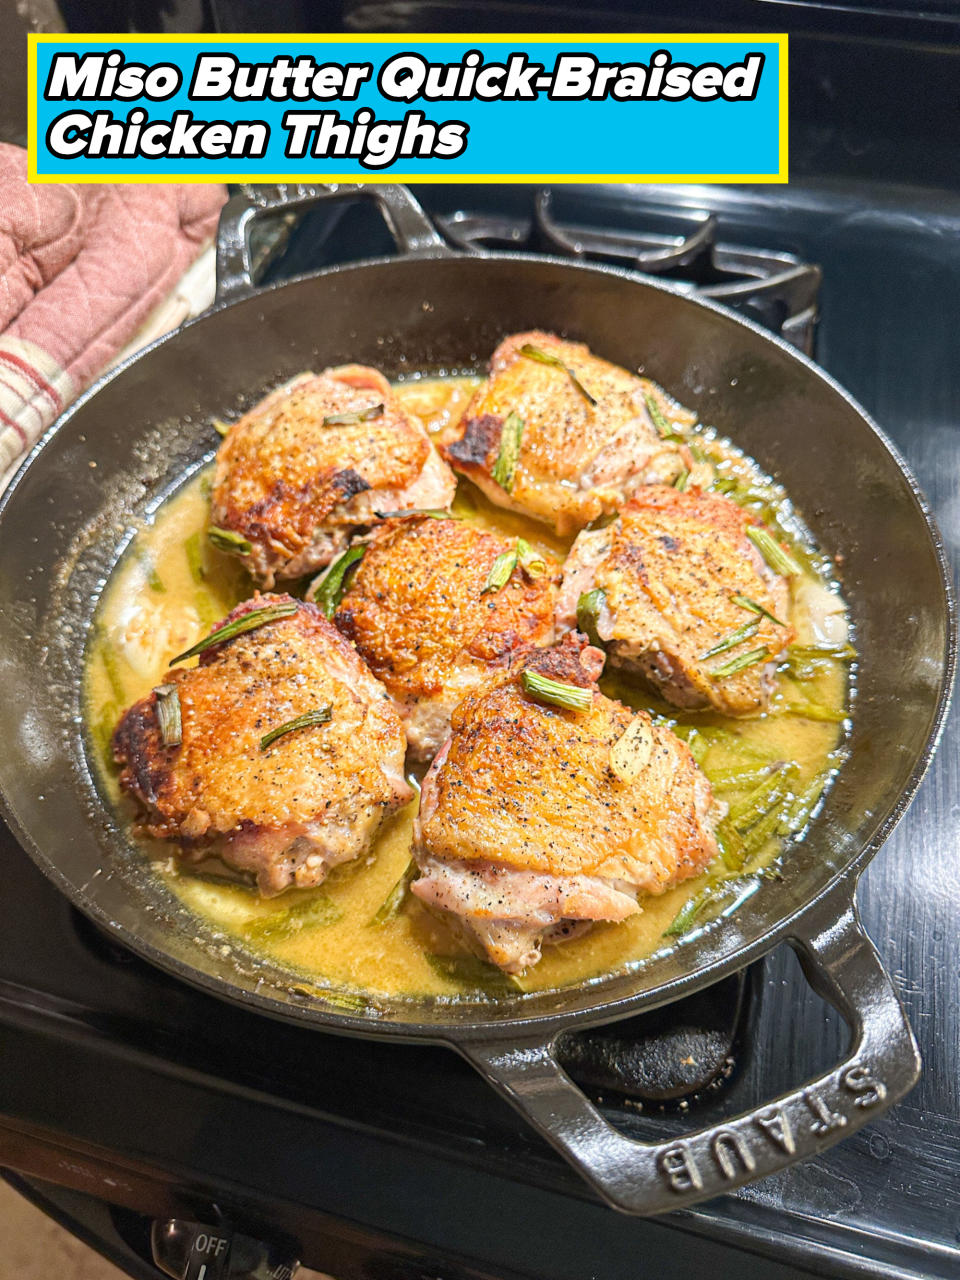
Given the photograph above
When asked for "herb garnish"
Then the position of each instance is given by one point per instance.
(248, 622)
(662, 424)
(779, 560)
(226, 540)
(322, 715)
(738, 664)
(680, 483)
(330, 590)
(569, 697)
(434, 513)
(733, 639)
(395, 899)
(544, 357)
(532, 564)
(500, 572)
(588, 614)
(352, 419)
(168, 715)
(746, 603)
(505, 468)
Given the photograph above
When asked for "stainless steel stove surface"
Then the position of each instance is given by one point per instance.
(377, 1160)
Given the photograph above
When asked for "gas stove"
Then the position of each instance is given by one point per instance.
(127, 1098)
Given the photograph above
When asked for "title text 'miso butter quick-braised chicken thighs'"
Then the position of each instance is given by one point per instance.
(561, 435)
(535, 815)
(436, 607)
(304, 469)
(679, 593)
(280, 753)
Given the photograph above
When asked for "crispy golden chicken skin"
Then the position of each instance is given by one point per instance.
(313, 798)
(526, 825)
(670, 568)
(576, 460)
(420, 612)
(296, 485)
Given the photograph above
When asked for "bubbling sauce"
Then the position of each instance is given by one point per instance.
(361, 933)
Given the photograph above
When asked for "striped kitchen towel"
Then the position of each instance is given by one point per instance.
(82, 267)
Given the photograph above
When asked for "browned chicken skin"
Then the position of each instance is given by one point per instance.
(576, 461)
(314, 798)
(524, 825)
(419, 612)
(670, 567)
(296, 488)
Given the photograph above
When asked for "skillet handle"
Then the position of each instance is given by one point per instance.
(883, 1064)
(413, 232)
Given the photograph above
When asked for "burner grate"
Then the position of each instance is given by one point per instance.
(774, 288)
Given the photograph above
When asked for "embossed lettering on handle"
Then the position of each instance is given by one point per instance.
(641, 1177)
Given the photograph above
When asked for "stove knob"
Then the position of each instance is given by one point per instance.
(196, 1251)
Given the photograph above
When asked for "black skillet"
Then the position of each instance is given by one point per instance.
(128, 441)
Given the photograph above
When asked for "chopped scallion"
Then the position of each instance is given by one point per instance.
(321, 715)
(746, 603)
(219, 426)
(739, 664)
(226, 540)
(569, 697)
(681, 481)
(733, 639)
(434, 513)
(662, 424)
(395, 899)
(329, 591)
(505, 468)
(500, 572)
(168, 715)
(530, 561)
(779, 560)
(352, 419)
(248, 622)
(544, 357)
(318, 909)
(589, 607)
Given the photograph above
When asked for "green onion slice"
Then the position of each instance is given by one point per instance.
(532, 564)
(733, 639)
(505, 468)
(168, 714)
(332, 586)
(681, 481)
(815, 653)
(569, 697)
(779, 560)
(500, 572)
(434, 513)
(739, 664)
(544, 357)
(395, 899)
(352, 419)
(226, 540)
(746, 603)
(321, 715)
(219, 426)
(662, 424)
(588, 614)
(249, 622)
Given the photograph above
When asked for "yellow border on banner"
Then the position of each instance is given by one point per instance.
(455, 37)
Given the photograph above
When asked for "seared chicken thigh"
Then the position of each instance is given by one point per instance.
(561, 435)
(685, 596)
(299, 473)
(432, 625)
(532, 817)
(287, 810)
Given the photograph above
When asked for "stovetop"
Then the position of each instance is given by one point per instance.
(120, 1080)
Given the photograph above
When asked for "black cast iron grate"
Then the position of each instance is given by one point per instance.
(682, 245)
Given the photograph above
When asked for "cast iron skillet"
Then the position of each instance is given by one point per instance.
(119, 450)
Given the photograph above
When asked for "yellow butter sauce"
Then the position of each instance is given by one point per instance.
(172, 586)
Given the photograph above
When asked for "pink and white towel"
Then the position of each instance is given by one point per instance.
(81, 268)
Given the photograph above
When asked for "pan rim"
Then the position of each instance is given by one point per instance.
(841, 884)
